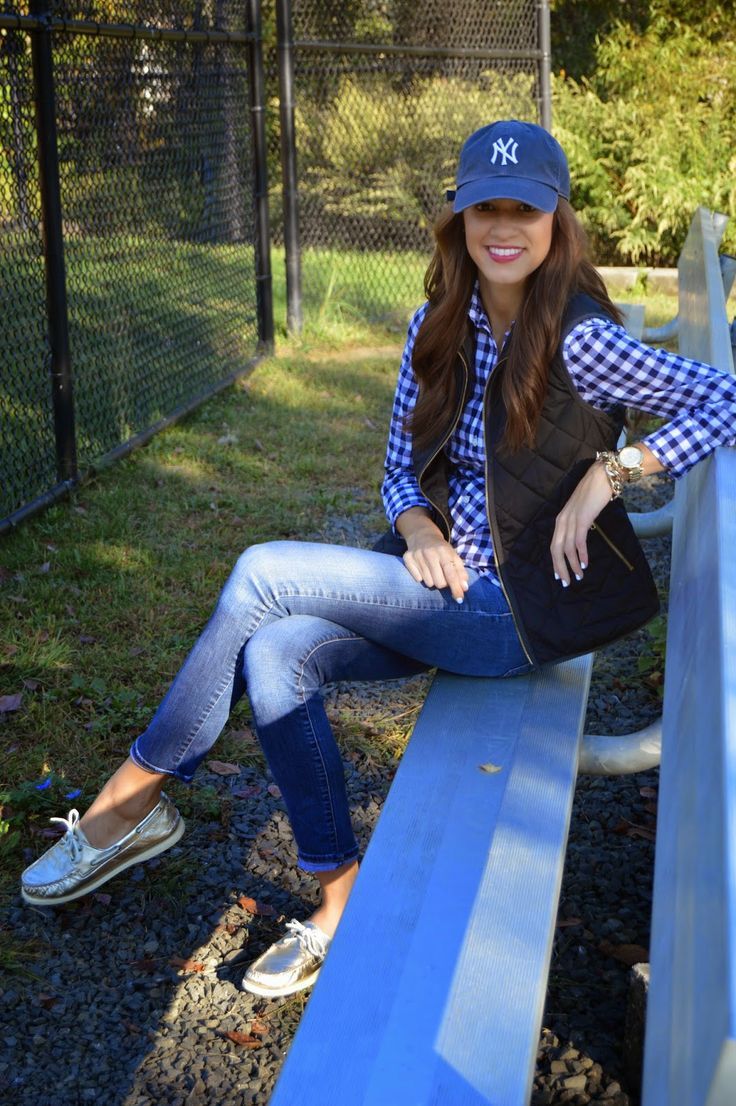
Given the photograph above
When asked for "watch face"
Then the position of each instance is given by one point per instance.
(630, 457)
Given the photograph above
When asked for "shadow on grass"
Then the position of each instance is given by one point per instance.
(103, 596)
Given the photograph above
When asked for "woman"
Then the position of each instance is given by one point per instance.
(509, 547)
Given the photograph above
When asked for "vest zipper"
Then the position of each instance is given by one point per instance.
(613, 546)
(495, 534)
(442, 445)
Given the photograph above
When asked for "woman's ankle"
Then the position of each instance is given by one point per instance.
(103, 828)
(127, 797)
(336, 887)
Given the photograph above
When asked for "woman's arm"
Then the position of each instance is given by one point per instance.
(570, 540)
(400, 489)
(610, 367)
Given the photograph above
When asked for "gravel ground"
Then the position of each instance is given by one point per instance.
(134, 991)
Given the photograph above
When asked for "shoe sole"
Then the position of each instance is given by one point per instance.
(269, 992)
(155, 850)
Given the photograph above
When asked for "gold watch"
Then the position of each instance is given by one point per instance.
(631, 460)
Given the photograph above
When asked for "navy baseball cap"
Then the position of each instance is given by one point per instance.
(510, 160)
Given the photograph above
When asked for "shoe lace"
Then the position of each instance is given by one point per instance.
(70, 840)
(313, 940)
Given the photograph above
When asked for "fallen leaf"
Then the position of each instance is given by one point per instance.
(254, 907)
(244, 737)
(243, 1039)
(226, 927)
(186, 965)
(31, 685)
(47, 1001)
(42, 637)
(222, 768)
(490, 768)
(563, 922)
(149, 966)
(259, 1028)
(646, 832)
(625, 954)
(9, 649)
(9, 703)
(274, 790)
(648, 792)
(248, 792)
(87, 639)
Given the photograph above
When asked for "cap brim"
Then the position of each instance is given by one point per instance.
(526, 191)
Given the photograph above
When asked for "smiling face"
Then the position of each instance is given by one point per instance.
(507, 240)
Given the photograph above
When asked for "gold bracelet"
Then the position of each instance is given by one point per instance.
(614, 472)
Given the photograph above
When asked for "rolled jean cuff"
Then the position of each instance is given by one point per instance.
(146, 766)
(309, 864)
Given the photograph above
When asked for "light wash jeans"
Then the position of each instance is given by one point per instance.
(292, 617)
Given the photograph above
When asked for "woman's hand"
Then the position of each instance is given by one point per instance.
(570, 540)
(429, 558)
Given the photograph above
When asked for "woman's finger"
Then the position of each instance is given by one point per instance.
(457, 580)
(414, 570)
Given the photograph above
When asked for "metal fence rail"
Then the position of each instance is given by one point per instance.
(375, 101)
(134, 257)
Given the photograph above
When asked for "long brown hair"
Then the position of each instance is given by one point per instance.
(448, 285)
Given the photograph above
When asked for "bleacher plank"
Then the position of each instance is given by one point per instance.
(434, 988)
(690, 1042)
(690, 1053)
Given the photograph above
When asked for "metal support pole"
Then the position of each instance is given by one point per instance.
(545, 67)
(53, 243)
(256, 84)
(285, 38)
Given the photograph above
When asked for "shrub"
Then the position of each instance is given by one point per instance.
(650, 138)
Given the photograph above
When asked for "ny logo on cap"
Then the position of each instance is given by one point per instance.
(506, 150)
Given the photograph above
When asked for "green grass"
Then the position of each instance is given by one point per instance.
(103, 594)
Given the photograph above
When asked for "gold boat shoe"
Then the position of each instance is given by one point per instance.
(289, 965)
(72, 867)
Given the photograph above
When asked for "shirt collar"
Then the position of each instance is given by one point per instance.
(476, 310)
(477, 313)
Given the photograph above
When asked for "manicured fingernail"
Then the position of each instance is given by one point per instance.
(566, 583)
(583, 566)
(459, 600)
(557, 575)
(578, 577)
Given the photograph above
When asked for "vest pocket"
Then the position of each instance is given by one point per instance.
(612, 545)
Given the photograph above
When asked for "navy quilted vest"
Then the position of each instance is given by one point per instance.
(525, 492)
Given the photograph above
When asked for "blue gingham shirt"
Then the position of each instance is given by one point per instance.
(608, 367)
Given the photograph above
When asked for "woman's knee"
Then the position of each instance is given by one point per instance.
(256, 571)
(271, 667)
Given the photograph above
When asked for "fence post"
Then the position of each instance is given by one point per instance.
(264, 283)
(62, 392)
(285, 41)
(545, 66)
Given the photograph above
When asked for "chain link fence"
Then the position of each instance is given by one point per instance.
(384, 92)
(134, 261)
(149, 295)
